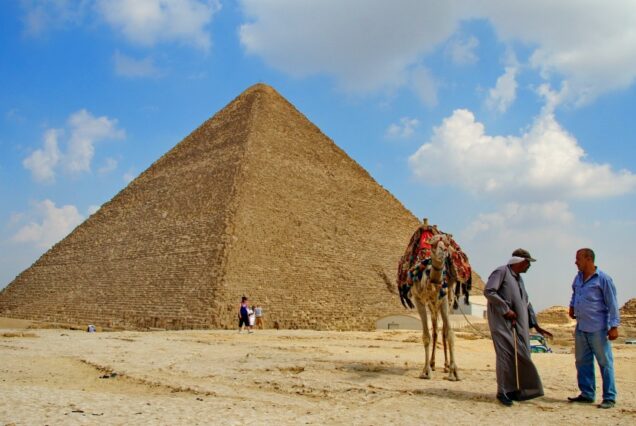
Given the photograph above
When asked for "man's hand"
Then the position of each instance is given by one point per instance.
(510, 315)
(612, 334)
(571, 313)
(544, 333)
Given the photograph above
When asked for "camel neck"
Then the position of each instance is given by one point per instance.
(437, 265)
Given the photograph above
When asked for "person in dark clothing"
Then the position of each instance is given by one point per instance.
(243, 315)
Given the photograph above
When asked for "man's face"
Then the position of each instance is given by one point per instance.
(581, 261)
(521, 267)
(526, 265)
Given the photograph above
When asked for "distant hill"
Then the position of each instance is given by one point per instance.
(555, 315)
(628, 313)
(478, 285)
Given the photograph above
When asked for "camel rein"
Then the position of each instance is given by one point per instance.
(470, 323)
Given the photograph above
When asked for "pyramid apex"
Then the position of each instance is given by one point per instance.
(261, 87)
(267, 94)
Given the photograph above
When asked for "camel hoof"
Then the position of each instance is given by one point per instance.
(452, 375)
(425, 376)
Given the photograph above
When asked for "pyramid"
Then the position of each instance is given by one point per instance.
(628, 313)
(257, 201)
(555, 315)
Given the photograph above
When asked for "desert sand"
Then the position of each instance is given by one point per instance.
(61, 376)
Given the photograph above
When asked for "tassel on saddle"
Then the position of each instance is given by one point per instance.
(404, 296)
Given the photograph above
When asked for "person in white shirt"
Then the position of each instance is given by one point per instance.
(252, 317)
(258, 311)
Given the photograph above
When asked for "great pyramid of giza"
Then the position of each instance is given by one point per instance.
(257, 201)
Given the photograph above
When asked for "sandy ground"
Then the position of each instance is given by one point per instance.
(57, 376)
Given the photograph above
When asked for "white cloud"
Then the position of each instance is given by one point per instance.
(42, 162)
(53, 224)
(367, 45)
(127, 66)
(370, 45)
(424, 86)
(515, 216)
(552, 98)
(148, 22)
(109, 165)
(15, 219)
(505, 91)
(545, 163)
(462, 51)
(590, 44)
(85, 131)
(404, 129)
(41, 16)
(143, 22)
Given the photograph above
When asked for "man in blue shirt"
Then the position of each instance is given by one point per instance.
(595, 309)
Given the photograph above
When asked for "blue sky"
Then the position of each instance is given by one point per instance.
(509, 124)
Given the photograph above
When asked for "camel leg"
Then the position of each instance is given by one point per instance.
(426, 339)
(446, 363)
(450, 338)
(468, 286)
(452, 298)
(457, 292)
(434, 330)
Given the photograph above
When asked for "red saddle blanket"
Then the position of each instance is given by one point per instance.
(419, 249)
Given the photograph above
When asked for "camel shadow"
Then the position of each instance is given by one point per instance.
(456, 394)
(366, 370)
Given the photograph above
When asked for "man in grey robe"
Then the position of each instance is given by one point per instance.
(508, 310)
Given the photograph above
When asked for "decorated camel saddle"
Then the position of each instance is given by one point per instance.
(416, 261)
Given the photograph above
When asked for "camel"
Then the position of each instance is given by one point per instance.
(430, 289)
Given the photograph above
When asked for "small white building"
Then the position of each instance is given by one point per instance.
(476, 308)
(405, 321)
(411, 321)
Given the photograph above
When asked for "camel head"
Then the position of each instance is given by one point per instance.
(440, 245)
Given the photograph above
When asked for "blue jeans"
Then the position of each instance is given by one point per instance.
(587, 346)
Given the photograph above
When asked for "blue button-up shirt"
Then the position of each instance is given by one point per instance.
(594, 302)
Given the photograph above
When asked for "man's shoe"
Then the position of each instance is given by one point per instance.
(514, 395)
(607, 403)
(504, 399)
(581, 399)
